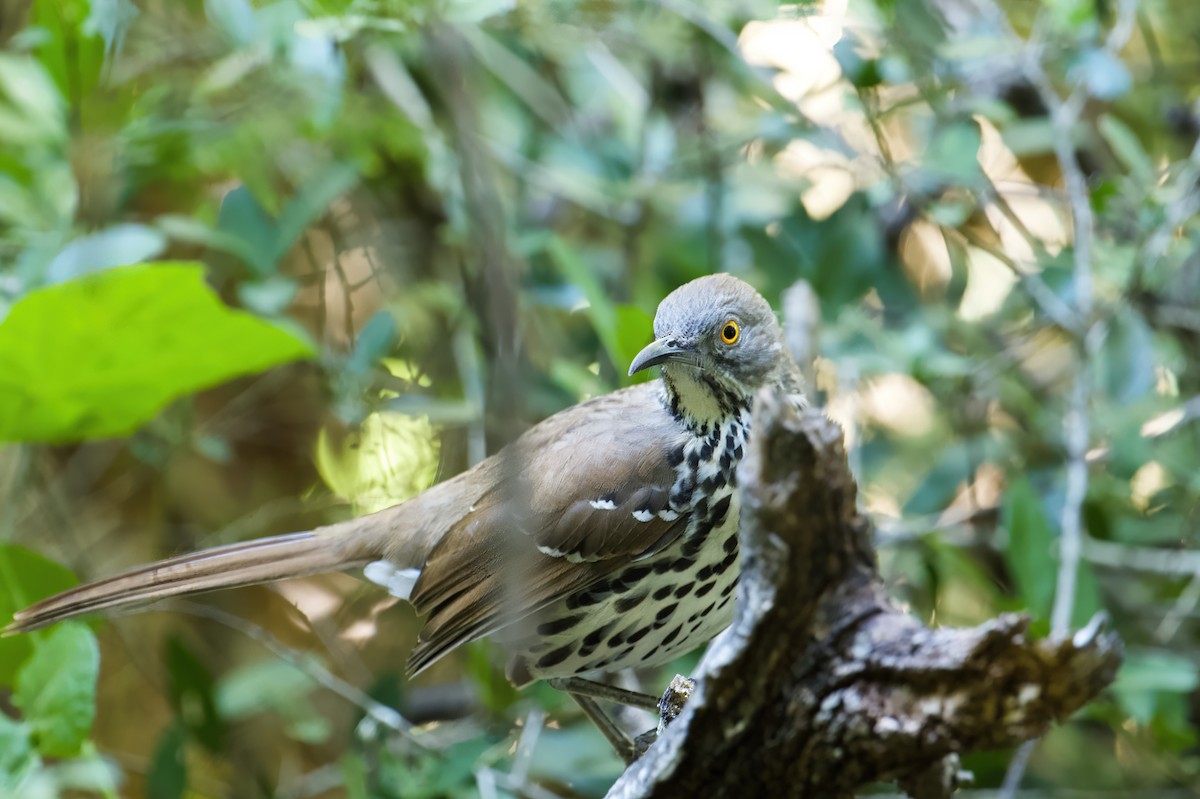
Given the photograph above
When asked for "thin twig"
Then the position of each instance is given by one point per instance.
(1188, 599)
(1141, 559)
(1064, 115)
(375, 711)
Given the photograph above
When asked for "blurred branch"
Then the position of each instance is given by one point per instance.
(1176, 213)
(802, 327)
(821, 686)
(1177, 562)
(1064, 115)
(376, 712)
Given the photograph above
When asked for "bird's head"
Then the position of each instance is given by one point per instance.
(717, 328)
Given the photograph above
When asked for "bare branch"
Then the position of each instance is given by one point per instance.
(821, 686)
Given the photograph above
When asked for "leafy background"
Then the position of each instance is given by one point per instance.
(268, 264)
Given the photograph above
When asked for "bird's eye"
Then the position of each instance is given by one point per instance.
(730, 332)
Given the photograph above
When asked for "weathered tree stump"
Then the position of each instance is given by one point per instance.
(821, 686)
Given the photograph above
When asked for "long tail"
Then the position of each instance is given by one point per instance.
(246, 563)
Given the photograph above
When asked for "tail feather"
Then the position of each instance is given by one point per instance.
(246, 563)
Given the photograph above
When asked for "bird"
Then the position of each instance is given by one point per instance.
(604, 537)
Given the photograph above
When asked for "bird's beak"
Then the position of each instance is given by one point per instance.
(663, 351)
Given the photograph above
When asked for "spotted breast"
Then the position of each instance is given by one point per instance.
(663, 605)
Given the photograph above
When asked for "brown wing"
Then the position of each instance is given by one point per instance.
(578, 496)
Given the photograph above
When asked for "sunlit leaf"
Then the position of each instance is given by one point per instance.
(31, 109)
(99, 356)
(389, 458)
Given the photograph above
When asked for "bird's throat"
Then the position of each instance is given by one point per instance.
(701, 402)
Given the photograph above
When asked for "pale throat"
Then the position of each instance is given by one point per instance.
(701, 401)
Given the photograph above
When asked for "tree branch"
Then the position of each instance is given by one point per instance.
(821, 686)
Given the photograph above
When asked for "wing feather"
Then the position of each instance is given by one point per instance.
(576, 498)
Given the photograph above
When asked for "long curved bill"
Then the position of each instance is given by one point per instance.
(663, 351)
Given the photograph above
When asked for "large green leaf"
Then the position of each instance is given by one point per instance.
(56, 689)
(99, 356)
(25, 577)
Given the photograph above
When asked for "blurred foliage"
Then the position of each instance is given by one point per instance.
(266, 264)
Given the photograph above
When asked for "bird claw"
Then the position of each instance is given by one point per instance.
(670, 705)
(643, 742)
(673, 699)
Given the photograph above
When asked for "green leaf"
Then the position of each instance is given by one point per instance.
(1148, 678)
(635, 329)
(1128, 148)
(1105, 75)
(376, 340)
(270, 296)
(278, 686)
(25, 577)
(1125, 363)
(17, 758)
(31, 109)
(243, 218)
(191, 688)
(862, 72)
(1028, 555)
(167, 778)
(953, 155)
(311, 201)
(56, 689)
(119, 245)
(100, 356)
(600, 306)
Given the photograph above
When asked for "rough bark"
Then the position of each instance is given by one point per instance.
(821, 686)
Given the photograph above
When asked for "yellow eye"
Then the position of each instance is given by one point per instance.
(730, 332)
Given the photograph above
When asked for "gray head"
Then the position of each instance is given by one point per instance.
(720, 327)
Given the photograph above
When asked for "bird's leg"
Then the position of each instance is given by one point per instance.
(577, 686)
(615, 735)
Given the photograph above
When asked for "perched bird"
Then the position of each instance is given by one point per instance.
(604, 537)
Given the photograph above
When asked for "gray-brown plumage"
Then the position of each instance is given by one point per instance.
(604, 537)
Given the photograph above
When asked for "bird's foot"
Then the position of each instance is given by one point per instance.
(669, 706)
(671, 703)
(643, 742)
